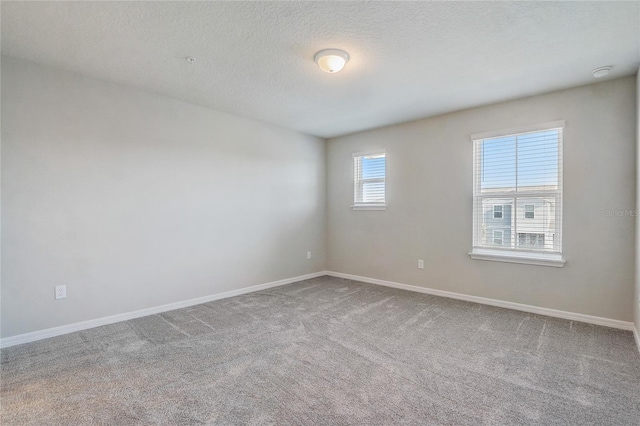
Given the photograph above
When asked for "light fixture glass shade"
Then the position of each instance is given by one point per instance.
(601, 72)
(331, 60)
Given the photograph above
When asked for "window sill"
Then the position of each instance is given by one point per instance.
(369, 207)
(527, 258)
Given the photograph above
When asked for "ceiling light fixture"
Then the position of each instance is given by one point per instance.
(601, 72)
(331, 60)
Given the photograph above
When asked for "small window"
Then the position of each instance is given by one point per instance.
(369, 176)
(497, 238)
(529, 211)
(497, 212)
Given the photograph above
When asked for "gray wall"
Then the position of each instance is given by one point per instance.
(636, 302)
(429, 195)
(134, 200)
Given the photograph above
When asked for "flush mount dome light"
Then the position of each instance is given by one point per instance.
(331, 60)
(601, 72)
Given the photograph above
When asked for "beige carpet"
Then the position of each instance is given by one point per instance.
(328, 351)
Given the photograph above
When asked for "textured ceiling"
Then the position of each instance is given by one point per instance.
(255, 59)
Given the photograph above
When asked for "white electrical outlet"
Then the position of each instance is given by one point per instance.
(420, 264)
(61, 292)
(308, 255)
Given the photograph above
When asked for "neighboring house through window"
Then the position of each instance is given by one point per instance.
(517, 195)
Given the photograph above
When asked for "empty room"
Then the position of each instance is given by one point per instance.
(320, 213)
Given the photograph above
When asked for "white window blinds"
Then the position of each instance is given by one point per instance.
(517, 191)
(369, 174)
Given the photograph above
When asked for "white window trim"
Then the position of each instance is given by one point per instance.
(512, 256)
(522, 129)
(371, 206)
(520, 256)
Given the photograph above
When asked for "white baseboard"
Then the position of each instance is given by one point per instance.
(607, 322)
(84, 325)
(70, 328)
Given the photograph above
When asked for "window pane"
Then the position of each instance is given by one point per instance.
(537, 230)
(495, 222)
(498, 164)
(373, 192)
(538, 161)
(373, 167)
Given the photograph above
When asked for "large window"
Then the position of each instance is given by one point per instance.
(369, 174)
(517, 195)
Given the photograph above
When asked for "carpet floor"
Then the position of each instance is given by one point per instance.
(327, 351)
